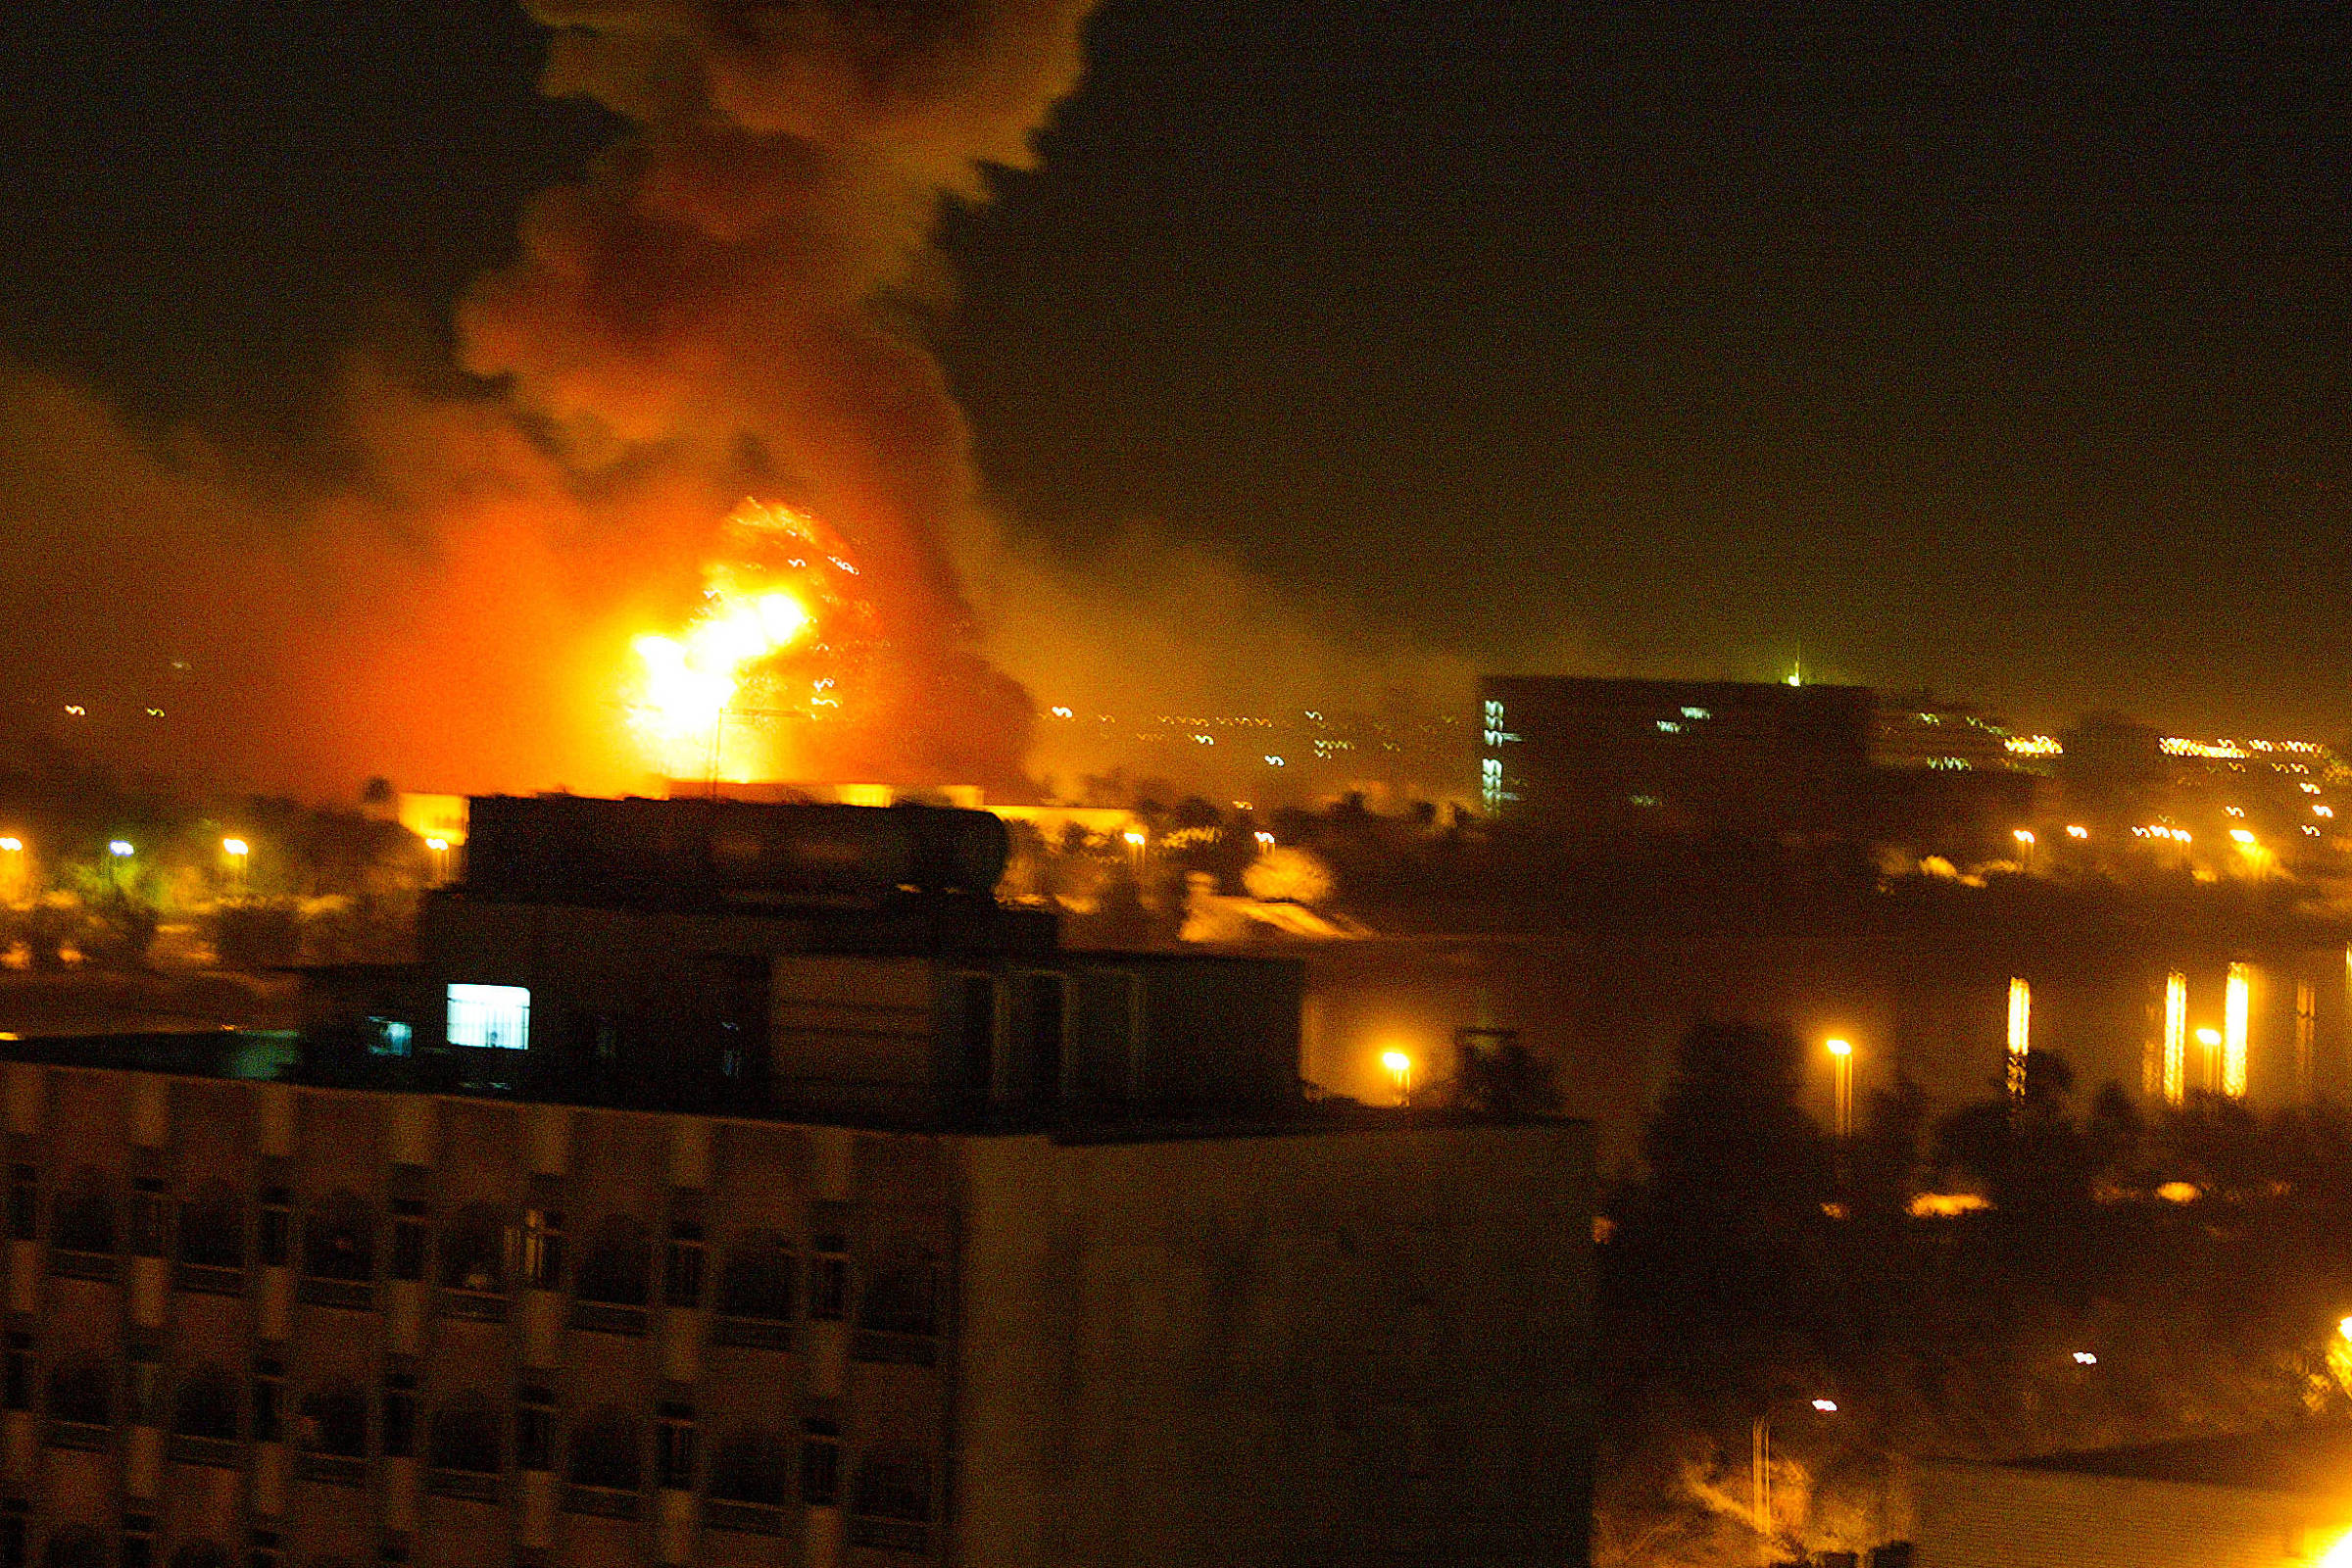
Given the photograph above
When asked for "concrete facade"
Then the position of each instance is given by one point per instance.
(315, 1325)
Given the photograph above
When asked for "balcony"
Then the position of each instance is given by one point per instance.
(220, 1454)
(894, 1349)
(751, 1333)
(88, 1437)
(474, 1486)
(349, 1296)
(209, 1279)
(889, 1535)
(68, 1265)
(743, 1518)
(606, 1317)
(332, 1469)
(473, 1306)
(601, 1503)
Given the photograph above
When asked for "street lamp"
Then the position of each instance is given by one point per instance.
(236, 850)
(1400, 1074)
(1760, 1473)
(1841, 1057)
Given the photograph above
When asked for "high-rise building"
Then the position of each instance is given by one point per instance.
(1687, 758)
(739, 1184)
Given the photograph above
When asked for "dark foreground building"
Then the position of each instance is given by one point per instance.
(739, 1185)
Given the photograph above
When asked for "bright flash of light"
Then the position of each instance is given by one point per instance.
(2339, 1555)
(234, 846)
(119, 848)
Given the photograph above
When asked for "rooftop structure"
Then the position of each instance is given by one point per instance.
(736, 1184)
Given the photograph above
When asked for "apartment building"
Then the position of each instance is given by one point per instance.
(774, 1217)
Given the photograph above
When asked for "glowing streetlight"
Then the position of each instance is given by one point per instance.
(14, 846)
(2025, 836)
(1841, 1057)
(2076, 830)
(2087, 1358)
(1400, 1074)
(119, 849)
(235, 849)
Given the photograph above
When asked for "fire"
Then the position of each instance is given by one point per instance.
(711, 697)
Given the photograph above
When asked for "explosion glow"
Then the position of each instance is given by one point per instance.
(717, 699)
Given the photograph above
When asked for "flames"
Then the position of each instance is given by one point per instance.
(729, 695)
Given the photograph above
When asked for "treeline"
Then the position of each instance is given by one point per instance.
(2036, 1272)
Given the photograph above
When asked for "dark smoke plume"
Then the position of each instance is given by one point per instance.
(719, 307)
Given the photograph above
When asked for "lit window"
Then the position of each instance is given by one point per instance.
(494, 1016)
(1696, 713)
(392, 1037)
(1669, 726)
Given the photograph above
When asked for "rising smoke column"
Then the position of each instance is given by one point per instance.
(715, 298)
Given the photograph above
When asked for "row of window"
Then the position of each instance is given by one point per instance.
(476, 1249)
(470, 1434)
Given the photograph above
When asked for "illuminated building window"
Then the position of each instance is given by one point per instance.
(493, 1017)
(1696, 713)
(392, 1037)
(1667, 727)
(2236, 1011)
(2176, 1038)
(2021, 1031)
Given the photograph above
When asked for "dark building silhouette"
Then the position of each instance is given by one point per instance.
(1594, 758)
(740, 1184)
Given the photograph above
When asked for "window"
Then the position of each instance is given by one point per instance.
(1045, 1002)
(339, 1240)
(211, 1229)
(146, 1389)
(150, 1218)
(400, 1417)
(85, 1221)
(534, 1427)
(82, 1391)
(820, 1462)
(616, 1267)
(893, 1484)
(900, 1292)
(207, 1406)
(465, 1437)
(471, 1250)
(25, 1203)
(828, 1276)
(389, 1037)
(676, 1446)
(753, 1465)
(16, 1387)
(335, 1421)
(976, 1033)
(543, 1248)
(759, 1277)
(490, 1017)
(277, 1226)
(682, 1266)
(407, 1239)
(605, 1451)
(269, 1399)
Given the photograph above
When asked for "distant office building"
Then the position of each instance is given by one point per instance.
(1921, 731)
(1697, 757)
(739, 1184)
(2274, 1498)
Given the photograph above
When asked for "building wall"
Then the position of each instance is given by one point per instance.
(1987, 1516)
(684, 1196)
(1335, 1349)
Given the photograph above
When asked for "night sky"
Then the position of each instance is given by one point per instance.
(1993, 348)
